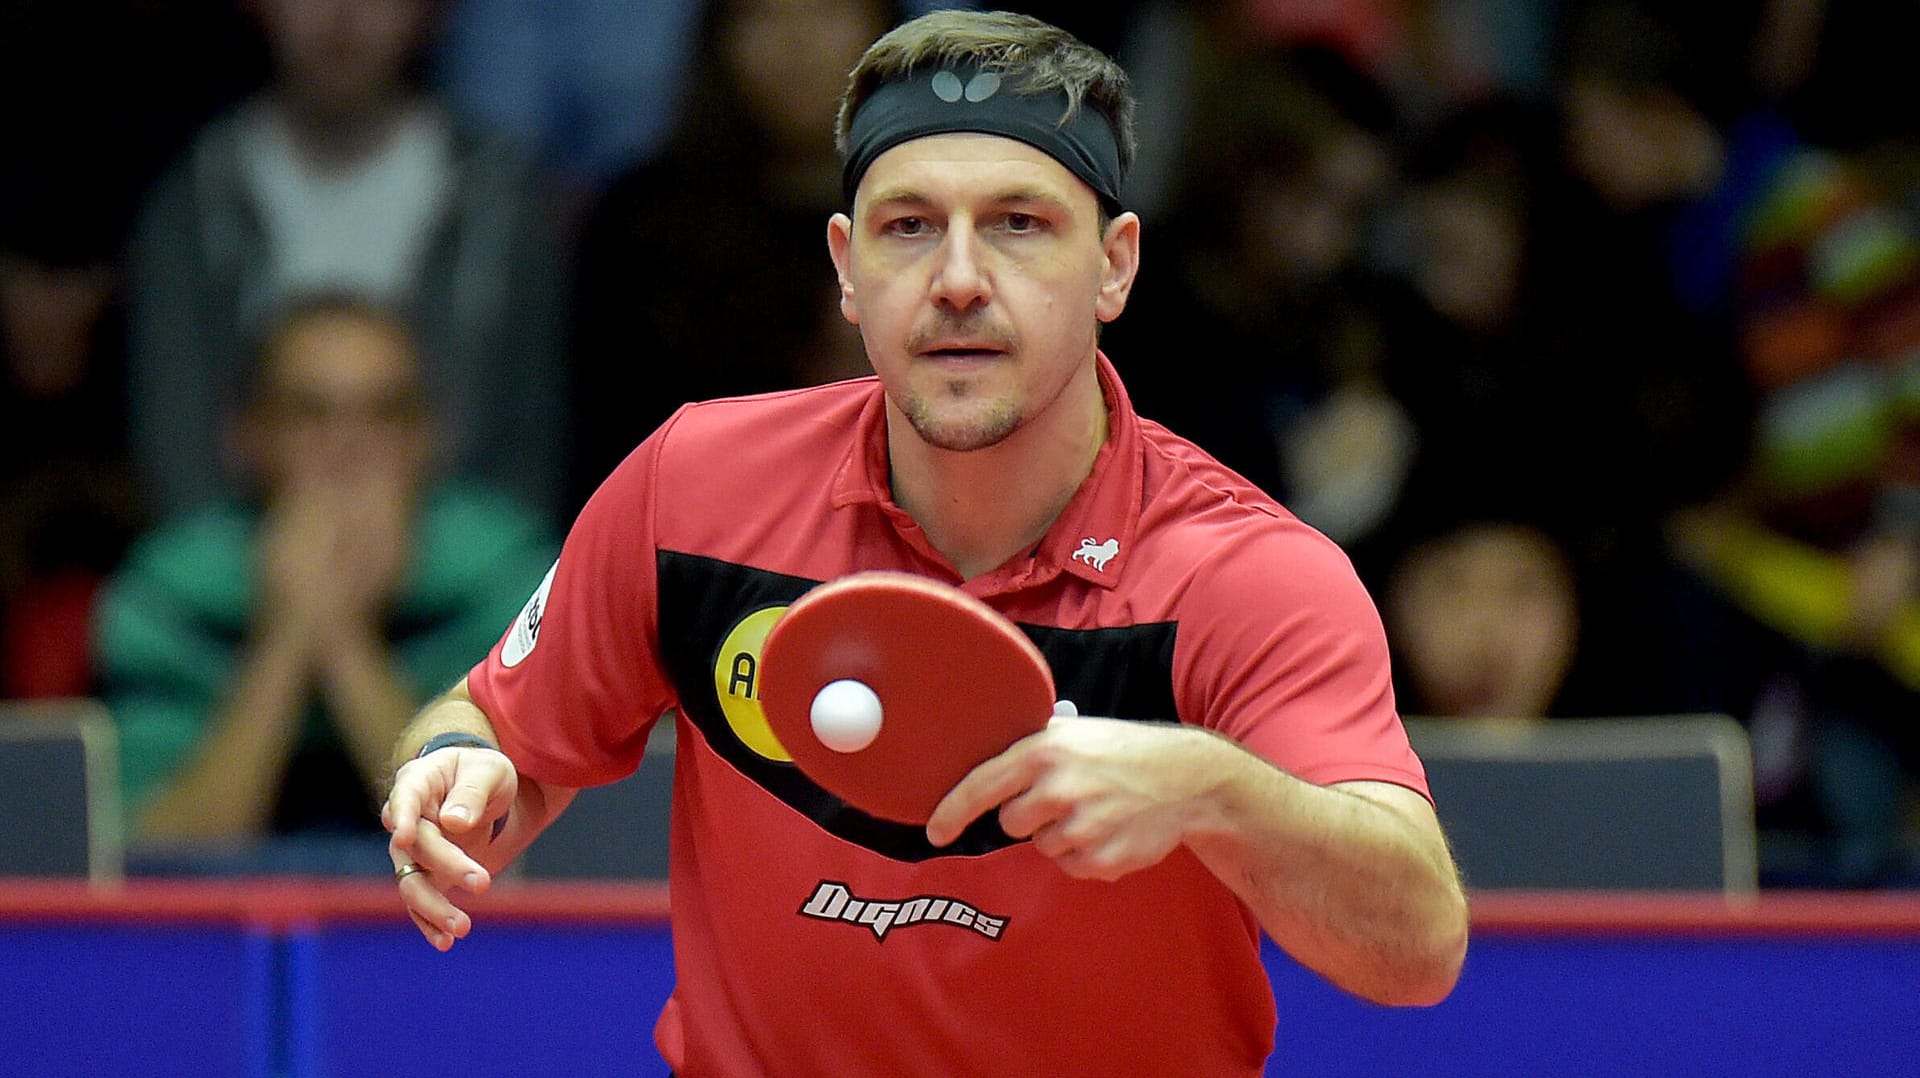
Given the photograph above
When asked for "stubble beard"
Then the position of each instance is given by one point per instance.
(960, 415)
(965, 425)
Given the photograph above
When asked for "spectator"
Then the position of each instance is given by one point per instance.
(1815, 557)
(345, 173)
(1497, 500)
(1484, 614)
(1264, 339)
(700, 272)
(593, 86)
(67, 501)
(261, 654)
(95, 100)
(1635, 397)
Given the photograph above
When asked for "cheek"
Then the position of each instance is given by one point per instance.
(1431, 640)
(1545, 629)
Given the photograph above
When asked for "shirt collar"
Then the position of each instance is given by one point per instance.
(1094, 533)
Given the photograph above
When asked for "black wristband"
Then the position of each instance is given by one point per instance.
(455, 739)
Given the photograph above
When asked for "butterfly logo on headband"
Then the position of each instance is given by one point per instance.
(947, 86)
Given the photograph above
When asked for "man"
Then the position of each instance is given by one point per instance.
(345, 172)
(1114, 874)
(262, 654)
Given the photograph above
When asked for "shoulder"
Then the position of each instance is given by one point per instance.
(790, 426)
(209, 161)
(737, 456)
(200, 561)
(218, 534)
(809, 407)
(1191, 497)
(1242, 549)
(481, 151)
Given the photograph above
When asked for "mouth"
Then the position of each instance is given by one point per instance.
(962, 352)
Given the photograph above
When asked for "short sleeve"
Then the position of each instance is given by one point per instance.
(576, 683)
(1280, 648)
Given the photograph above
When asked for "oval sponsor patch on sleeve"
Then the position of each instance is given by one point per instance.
(526, 627)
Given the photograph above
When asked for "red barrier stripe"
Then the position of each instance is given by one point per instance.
(1771, 913)
(280, 904)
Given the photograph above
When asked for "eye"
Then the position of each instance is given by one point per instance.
(1022, 222)
(906, 226)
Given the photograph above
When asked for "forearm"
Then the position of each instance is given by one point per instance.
(230, 784)
(1354, 881)
(452, 712)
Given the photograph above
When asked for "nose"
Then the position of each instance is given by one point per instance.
(959, 277)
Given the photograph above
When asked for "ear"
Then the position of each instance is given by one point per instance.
(1122, 248)
(840, 248)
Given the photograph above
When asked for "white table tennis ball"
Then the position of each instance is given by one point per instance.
(846, 715)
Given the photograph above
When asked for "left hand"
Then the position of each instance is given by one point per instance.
(1101, 797)
(441, 812)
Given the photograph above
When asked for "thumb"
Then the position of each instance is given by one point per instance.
(468, 795)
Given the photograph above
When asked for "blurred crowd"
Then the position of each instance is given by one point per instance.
(1590, 328)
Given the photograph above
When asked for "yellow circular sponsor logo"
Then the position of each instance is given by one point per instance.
(736, 681)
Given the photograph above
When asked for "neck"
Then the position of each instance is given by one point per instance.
(340, 139)
(983, 507)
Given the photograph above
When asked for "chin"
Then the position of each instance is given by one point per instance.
(963, 429)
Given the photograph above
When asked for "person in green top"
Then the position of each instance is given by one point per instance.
(261, 656)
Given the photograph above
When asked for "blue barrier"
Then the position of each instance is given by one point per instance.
(83, 1001)
(510, 1001)
(1581, 1006)
(331, 982)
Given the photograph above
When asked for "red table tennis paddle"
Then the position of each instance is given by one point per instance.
(948, 681)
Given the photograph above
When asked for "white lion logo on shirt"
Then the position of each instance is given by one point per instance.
(1097, 554)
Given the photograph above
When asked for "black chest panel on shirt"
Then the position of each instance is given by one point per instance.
(1123, 673)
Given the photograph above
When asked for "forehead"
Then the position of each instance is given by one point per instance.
(968, 166)
(339, 352)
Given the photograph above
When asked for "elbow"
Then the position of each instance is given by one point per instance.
(1435, 959)
(1435, 981)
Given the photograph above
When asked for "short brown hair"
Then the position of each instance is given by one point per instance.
(1038, 57)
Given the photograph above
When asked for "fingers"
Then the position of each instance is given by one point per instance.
(414, 798)
(1084, 865)
(1032, 812)
(456, 788)
(1092, 795)
(401, 813)
(437, 918)
(985, 787)
(434, 805)
(482, 788)
(1054, 841)
(1085, 851)
(438, 853)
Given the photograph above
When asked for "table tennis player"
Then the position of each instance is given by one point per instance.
(1091, 900)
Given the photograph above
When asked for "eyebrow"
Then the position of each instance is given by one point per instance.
(910, 196)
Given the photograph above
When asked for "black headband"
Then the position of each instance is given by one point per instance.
(946, 100)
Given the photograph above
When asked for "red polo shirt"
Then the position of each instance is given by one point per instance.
(812, 939)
